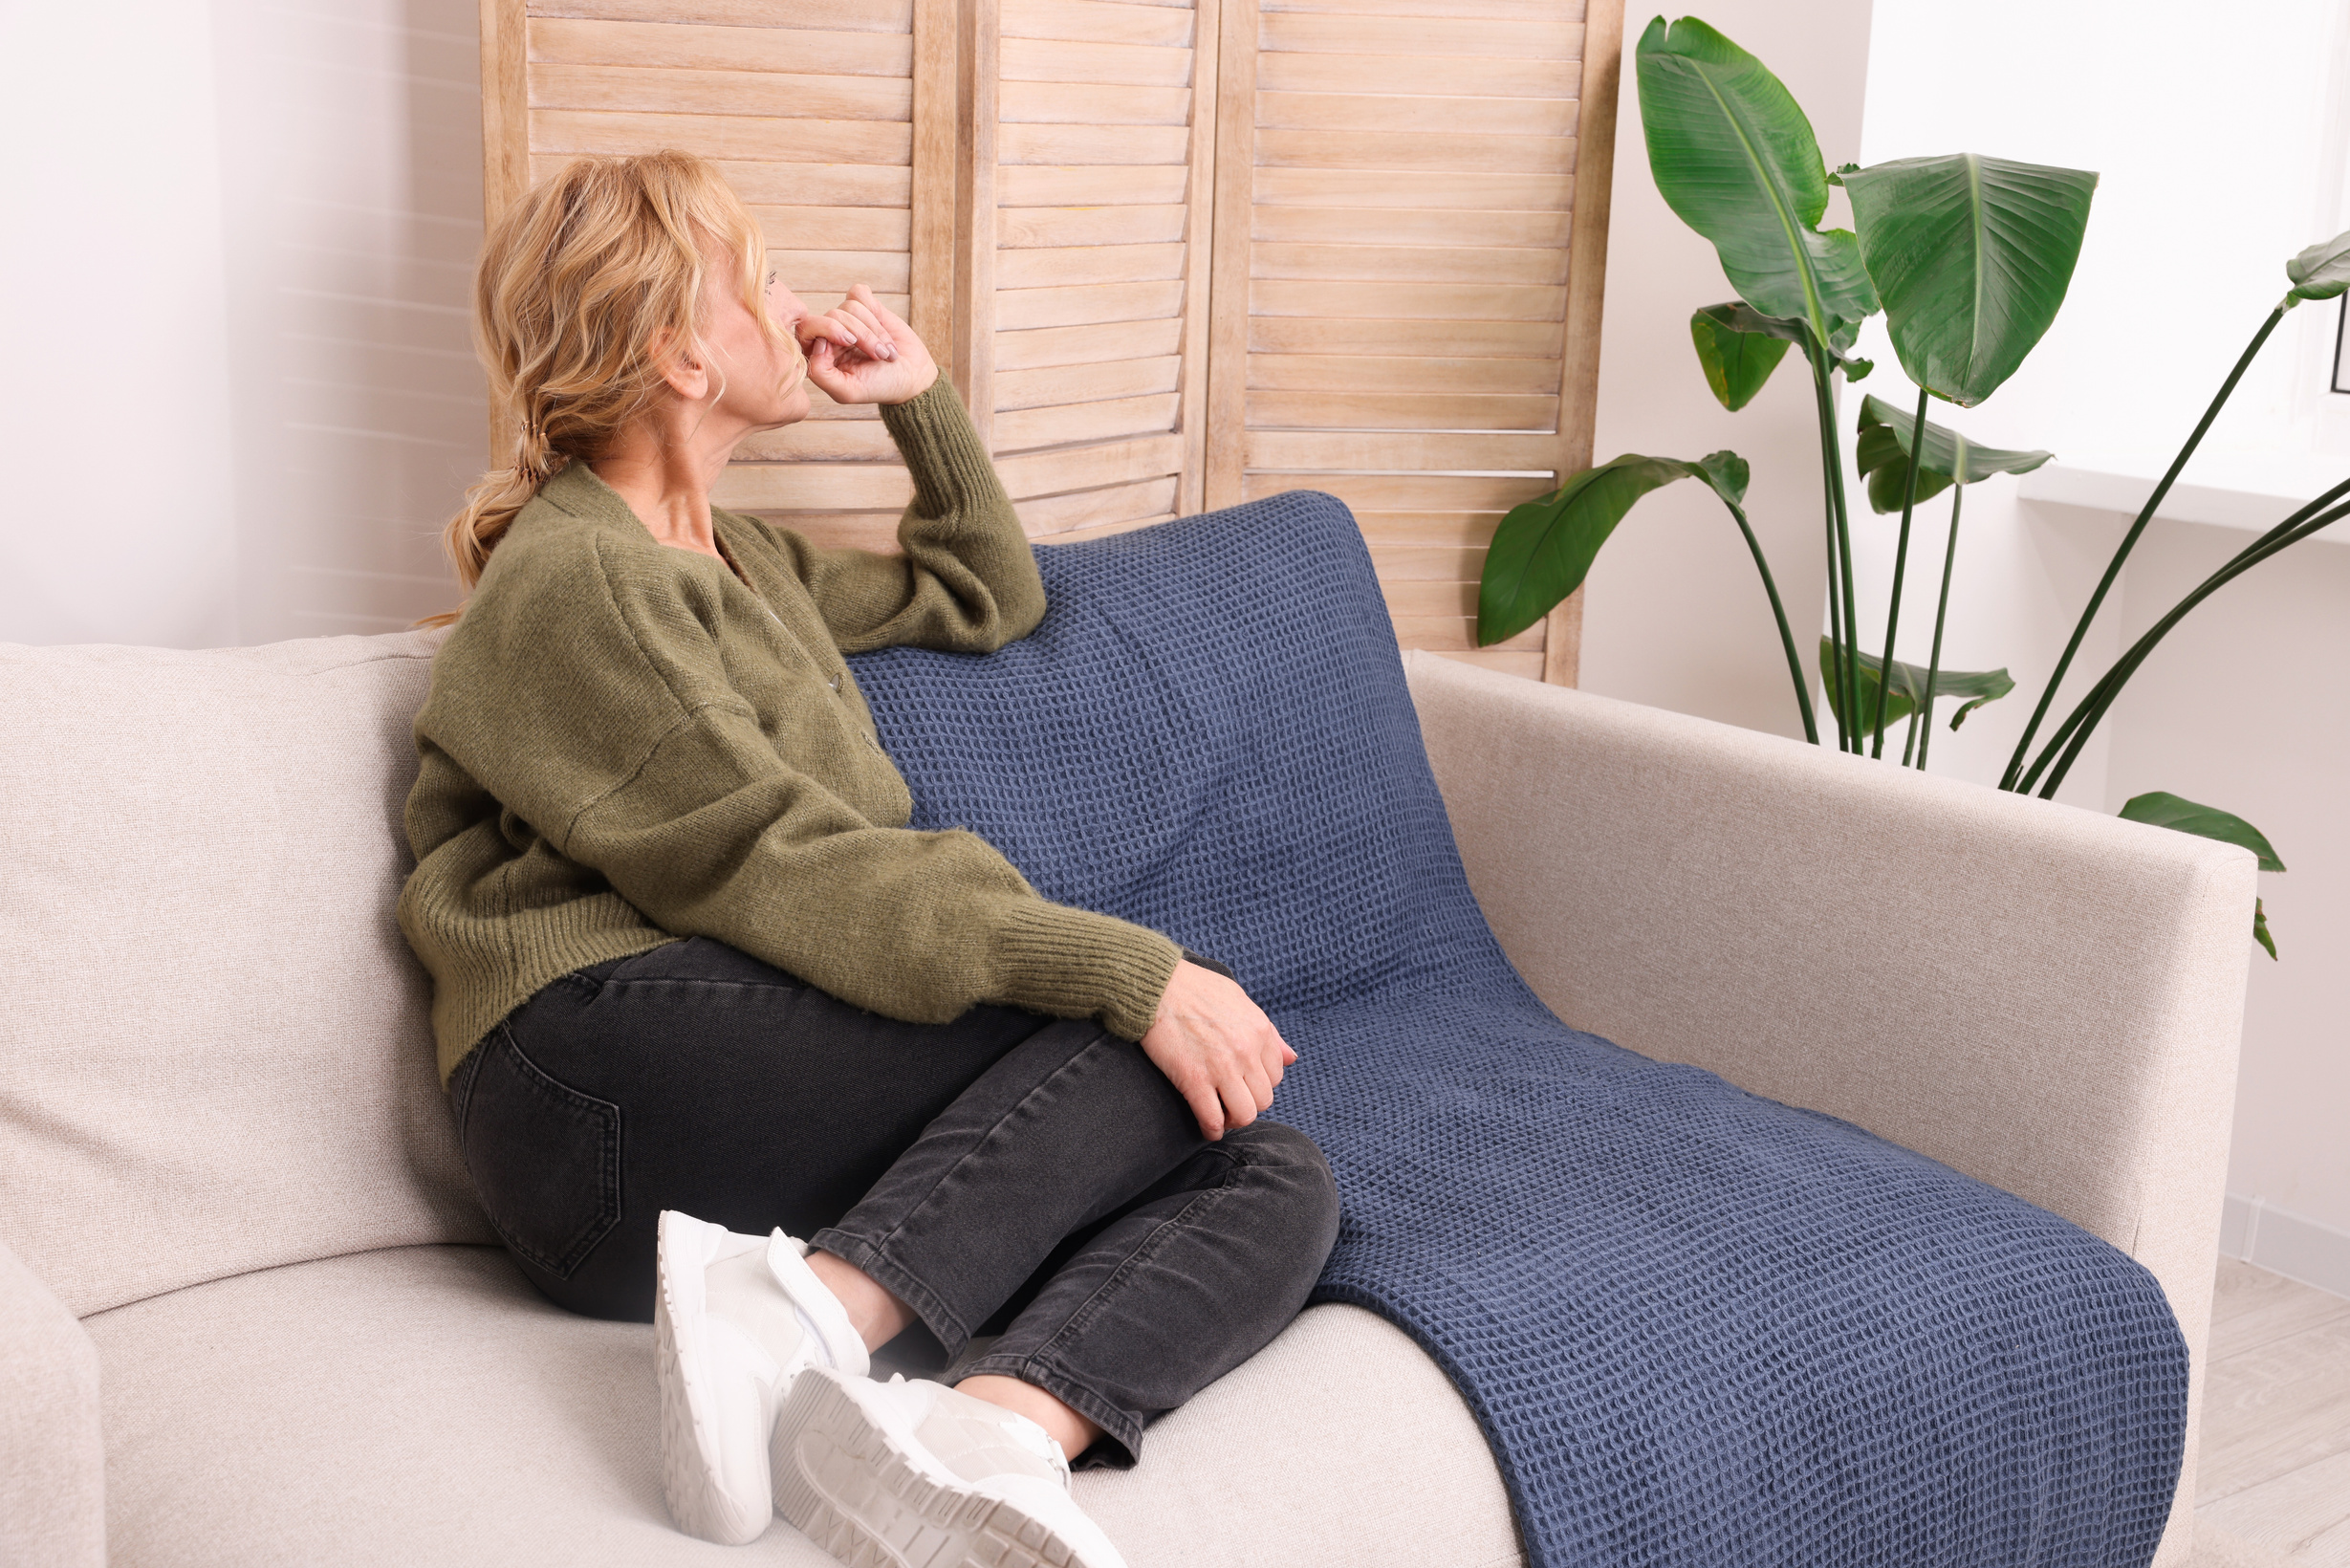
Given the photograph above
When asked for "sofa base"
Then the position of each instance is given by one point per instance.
(424, 1404)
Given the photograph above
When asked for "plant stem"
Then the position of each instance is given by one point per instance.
(1847, 637)
(1909, 737)
(1941, 614)
(1779, 613)
(1852, 586)
(2326, 510)
(1834, 673)
(2130, 542)
(2072, 736)
(1901, 563)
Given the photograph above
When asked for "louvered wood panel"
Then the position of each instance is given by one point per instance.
(1176, 254)
(1097, 259)
(1411, 230)
(834, 119)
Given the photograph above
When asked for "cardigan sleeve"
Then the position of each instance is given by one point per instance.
(597, 712)
(713, 835)
(967, 581)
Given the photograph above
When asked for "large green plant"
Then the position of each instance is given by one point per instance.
(1968, 257)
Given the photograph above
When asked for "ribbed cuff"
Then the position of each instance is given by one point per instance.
(1074, 964)
(950, 468)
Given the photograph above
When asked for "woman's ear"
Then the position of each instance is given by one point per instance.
(685, 368)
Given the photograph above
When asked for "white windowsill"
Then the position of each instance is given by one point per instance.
(2253, 493)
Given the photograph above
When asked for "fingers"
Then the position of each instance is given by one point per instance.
(891, 323)
(890, 319)
(816, 331)
(1206, 1108)
(859, 327)
(843, 333)
(824, 369)
(1257, 1090)
(861, 314)
(1218, 1050)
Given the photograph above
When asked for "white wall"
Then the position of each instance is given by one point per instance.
(352, 146)
(122, 521)
(2222, 145)
(1676, 616)
(247, 234)
(2240, 709)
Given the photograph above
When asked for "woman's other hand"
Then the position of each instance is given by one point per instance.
(860, 351)
(1217, 1047)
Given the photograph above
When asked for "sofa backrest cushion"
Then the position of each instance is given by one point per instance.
(216, 1046)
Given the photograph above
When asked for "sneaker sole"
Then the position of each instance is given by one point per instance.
(688, 1473)
(844, 1482)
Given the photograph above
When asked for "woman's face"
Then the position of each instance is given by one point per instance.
(765, 377)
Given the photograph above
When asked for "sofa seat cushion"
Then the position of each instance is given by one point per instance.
(424, 1405)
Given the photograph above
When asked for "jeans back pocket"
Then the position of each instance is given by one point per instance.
(545, 1157)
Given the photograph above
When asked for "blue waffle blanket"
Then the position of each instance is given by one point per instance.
(1699, 1328)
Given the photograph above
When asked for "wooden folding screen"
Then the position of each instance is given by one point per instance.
(1174, 252)
(834, 121)
(1410, 234)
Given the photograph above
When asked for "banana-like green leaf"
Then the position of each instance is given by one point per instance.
(1882, 454)
(1736, 316)
(1734, 157)
(1543, 549)
(2260, 929)
(1907, 686)
(1971, 256)
(1736, 363)
(2165, 809)
(2320, 272)
(1886, 464)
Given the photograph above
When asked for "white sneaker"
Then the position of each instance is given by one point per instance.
(735, 1319)
(904, 1474)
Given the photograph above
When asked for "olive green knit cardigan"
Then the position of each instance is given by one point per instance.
(626, 743)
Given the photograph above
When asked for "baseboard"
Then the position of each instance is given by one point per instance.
(2262, 1235)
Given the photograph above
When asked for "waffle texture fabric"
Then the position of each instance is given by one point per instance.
(1700, 1328)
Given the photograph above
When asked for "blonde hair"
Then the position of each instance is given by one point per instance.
(583, 286)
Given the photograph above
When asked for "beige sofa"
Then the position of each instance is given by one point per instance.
(248, 1314)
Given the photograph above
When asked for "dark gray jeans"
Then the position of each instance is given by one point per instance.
(1007, 1173)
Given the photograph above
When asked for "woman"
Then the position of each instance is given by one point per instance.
(688, 960)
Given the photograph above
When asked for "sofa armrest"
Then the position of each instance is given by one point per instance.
(2045, 998)
(53, 1462)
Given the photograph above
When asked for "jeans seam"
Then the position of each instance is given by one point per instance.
(547, 1086)
(617, 984)
(1160, 1236)
(927, 1304)
(997, 1125)
(461, 1088)
(1055, 1380)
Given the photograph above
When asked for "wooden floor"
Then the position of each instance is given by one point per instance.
(2274, 1483)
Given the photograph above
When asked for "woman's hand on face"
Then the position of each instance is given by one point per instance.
(860, 351)
(1217, 1047)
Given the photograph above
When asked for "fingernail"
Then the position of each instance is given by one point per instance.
(886, 351)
